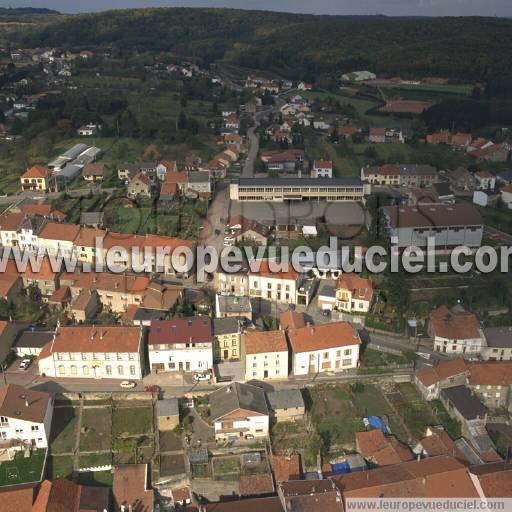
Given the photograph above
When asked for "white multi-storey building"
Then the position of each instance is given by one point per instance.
(323, 348)
(25, 418)
(58, 239)
(266, 355)
(106, 352)
(322, 169)
(181, 345)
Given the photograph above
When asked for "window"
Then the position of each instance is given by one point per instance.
(346, 362)
(132, 370)
(34, 428)
(19, 431)
(326, 355)
(120, 370)
(4, 421)
(73, 370)
(84, 357)
(119, 356)
(107, 356)
(347, 352)
(233, 351)
(131, 356)
(108, 370)
(62, 370)
(85, 369)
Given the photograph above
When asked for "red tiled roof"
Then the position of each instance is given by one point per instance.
(291, 320)
(251, 485)
(383, 449)
(445, 369)
(108, 338)
(45, 272)
(322, 164)
(180, 330)
(490, 373)
(58, 231)
(11, 221)
(454, 325)
(260, 342)
(129, 488)
(286, 467)
(60, 295)
(495, 480)
(17, 499)
(360, 287)
(322, 337)
(264, 270)
(37, 171)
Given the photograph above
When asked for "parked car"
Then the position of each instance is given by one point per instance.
(25, 363)
(495, 237)
(127, 384)
(153, 388)
(202, 377)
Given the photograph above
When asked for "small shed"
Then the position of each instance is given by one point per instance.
(168, 414)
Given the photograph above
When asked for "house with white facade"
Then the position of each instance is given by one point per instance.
(181, 345)
(332, 347)
(278, 286)
(239, 411)
(456, 331)
(94, 352)
(322, 169)
(485, 180)
(25, 418)
(506, 196)
(266, 355)
(354, 294)
(58, 239)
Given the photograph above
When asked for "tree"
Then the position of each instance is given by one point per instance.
(182, 121)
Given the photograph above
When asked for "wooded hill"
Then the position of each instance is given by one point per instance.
(293, 45)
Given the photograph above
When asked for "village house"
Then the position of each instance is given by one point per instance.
(116, 291)
(140, 186)
(38, 178)
(227, 333)
(31, 341)
(87, 242)
(377, 135)
(431, 380)
(266, 355)
(43, 277)
(131, 489)
(236, 283)
(286, 405)
(354, 294)
(485, 180)
(126, 172)
(199, 183)
(324, 348)
(94, 172)
(322, 169)
(233, 306)
(455, 331)
(59, 239)
(246, 230)
(498, 344)
(461, 180)
(492, 383)
(103, 351)
(506, 196)
(239, 411)
(85, 305)
(181, 345)
(166, 167)
(87, 130)
(492, 153)
(277, 286)
(382, 449)
(25, 418)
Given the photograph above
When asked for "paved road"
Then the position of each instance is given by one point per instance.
(254, 141)
(505, 238)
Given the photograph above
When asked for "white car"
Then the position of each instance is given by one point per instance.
(202, 377)
(127, 384)
(228, 241)
(25, 363)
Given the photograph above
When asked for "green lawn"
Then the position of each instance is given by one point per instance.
(371, 358)
(96, 429)
(59, 466)
(64, 430)
(22, 470)
(226, 465)
(127, 421)
(96, 479)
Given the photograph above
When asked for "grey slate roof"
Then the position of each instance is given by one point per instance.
(499, 337)
(465, 402)
(285, 399)
(33, 339)
(237, 396)
(167, 407)
(298, 182)
(442, 189)
(225, 326)
(233, 304)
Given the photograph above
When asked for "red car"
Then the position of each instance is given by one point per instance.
(152, 389)
(495, 236)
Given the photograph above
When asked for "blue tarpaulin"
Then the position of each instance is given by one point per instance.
(377, 422)
(340, 468)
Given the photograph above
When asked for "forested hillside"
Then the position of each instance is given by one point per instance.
(295, 46)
